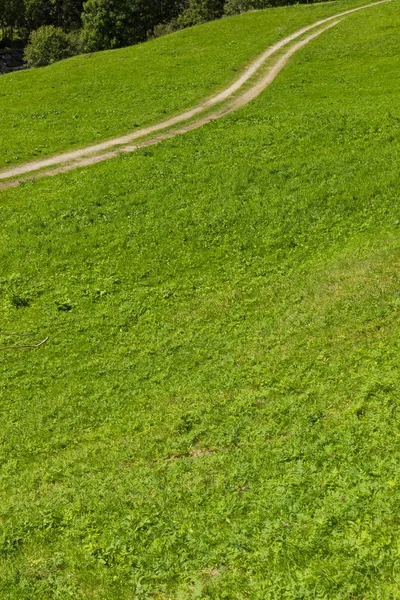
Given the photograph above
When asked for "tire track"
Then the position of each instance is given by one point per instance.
(97, 153)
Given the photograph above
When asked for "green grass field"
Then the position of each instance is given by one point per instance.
(215, 414)
(97, 96)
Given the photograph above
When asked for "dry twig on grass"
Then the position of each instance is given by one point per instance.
(17, 347)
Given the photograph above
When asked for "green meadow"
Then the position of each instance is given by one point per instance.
(93, 97)
(216, 412)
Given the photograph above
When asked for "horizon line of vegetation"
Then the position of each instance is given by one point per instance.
(51, 30)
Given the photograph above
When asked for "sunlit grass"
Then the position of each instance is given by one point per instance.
(98, 96)
(215, 414)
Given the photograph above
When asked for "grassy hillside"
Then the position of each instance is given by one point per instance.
(215, 414)
(97, 96)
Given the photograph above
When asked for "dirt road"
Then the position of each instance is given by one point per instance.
(228, 98)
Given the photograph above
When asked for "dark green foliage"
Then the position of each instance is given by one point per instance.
(165, 29)
(201, 11)
(111, 24)
(61, 13)
(47, 45)
(117, 23)
(235, 7)
(12, 17)
(19, 301)
(18, 18)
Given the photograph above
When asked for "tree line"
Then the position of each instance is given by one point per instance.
(103, 24)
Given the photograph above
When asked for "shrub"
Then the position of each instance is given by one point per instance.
(234, 7)
(164, 29)
(47, 45)
(200, 11)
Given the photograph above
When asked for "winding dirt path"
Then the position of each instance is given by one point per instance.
(97, 153)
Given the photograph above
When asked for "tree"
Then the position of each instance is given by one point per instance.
(47, 45)
(117, 23)
(12, 17)
(110, 24)
(60, 13)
